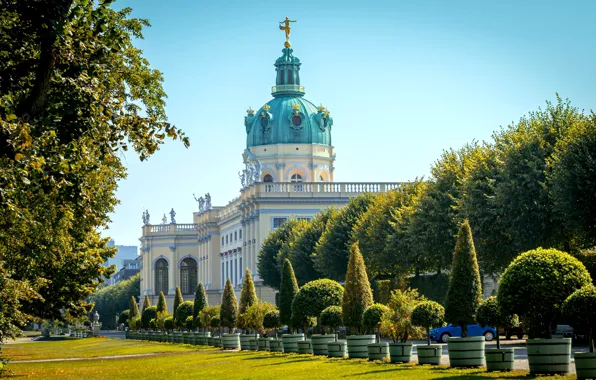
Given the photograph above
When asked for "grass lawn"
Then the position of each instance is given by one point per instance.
(184, 361)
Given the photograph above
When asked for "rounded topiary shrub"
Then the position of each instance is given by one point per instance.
(428, 314)
(184, 310)
(189, 324)
(371, 318)
(536, 284)
(316, 296)
(332, 317)
(149, 314)
(271, 320)
(490, 314)
(153, 323)
(168, 323)
(579, 310)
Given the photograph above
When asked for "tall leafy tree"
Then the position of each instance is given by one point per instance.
(229, 307)
(465, 288)
(287, 292)
(200, 303)
(177, 301)
(146, 302)
(268, 265)
(248, 294)
(333, 249)
(75, 91)
(134, 310)
(162, 305)
(113, 299)
(357, 292)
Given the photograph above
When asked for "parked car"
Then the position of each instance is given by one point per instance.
(562, 331)
(441, 334)
(512, 331)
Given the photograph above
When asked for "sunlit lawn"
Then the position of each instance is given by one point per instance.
(184, 361)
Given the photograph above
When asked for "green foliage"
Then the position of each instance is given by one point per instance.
(433, 287)
(382, 291)
(255, 315)
(199, 304)
(268, 257)
(397, 321)
(536, 284)
(428, 314)
(123, 317)
(490, 314)
(332, 317)
(169, 323)
(301, 320)
(189, 324)
(134, 310)
(178, 300)
(272, 320)
(162, 305)
(371, 318)
(357, 295)
(316, 296)
(161, 319)
(579, 310)
(588, 258)
(333, 248)
(287, 292)
(112, 299)
(207, 314)
(248, 294)
(149, 314)
(153, 324)
(183, 311)
(146, 302)
(465, 287)
(215, 322)
(229, 307)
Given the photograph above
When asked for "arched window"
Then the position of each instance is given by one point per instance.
(296, 178)
(188, 276)
(268, 178)
(161, 276)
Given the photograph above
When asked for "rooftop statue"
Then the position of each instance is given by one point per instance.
(201, 201)
(286, 28)
(173, 216)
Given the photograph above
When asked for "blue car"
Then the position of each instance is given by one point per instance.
(441, 334)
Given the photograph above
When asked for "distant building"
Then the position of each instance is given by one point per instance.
(129, 269)
(126, 261)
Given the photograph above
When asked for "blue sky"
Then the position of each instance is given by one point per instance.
(403, 80)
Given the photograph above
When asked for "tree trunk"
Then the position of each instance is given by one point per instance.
(498, 339)
(428, 335)
(464, 331)
(591, 338)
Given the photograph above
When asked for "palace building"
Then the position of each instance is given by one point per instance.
(289, 161)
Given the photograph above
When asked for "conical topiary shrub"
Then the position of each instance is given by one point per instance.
(287, 291)
(357, 292)
(134, 314)
(177, 301)
(146, 302)
(200, 304)
(162, 305)
(248, 294)
(229, 307)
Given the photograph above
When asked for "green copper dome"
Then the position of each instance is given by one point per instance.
(288, 118)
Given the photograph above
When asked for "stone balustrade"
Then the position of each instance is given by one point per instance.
(316, 189)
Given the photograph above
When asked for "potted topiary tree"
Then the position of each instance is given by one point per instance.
(579, 310)
(272, 322)
(397, 324)
(534, 286)
(428, 314)
(181, 314)
(169, 325)
(299, 318)
(205, 316)
(463, 298)
(287, 291)
(216, 324)
(228, 316)
(311, 300)
(200, 304)
(332, 318)
(248, 297)
(490, 314)
(357, 297)
(371, 320)
(255, 315)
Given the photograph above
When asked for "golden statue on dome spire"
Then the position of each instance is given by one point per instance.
(286, 28)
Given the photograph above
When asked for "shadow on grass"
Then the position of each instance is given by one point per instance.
(286, 362)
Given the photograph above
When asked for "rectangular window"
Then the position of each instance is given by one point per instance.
(236, 271)
(282, 77)
(227, 239)
(303, 218)
(290, 77)
(222, 275)
(227, 270)
(235, 235)
(222, 241)
(240, 234)
(241, 270)
(278, 222)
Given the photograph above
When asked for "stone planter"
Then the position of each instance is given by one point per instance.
(263, 344)
(305, 347)
(400, 352)
(253, 344)
(151, 336)
(290, 342)
(549, 356)
(336, 349)
(499, 359)
(230, 341)
(430, 354)
(244, 340)
(203, 337)
(357, 345)
(378, 351)
(585, 365)
(171, 337)
(276, 345)
(177, 337)
(161, 337)
(466, 352)
(186, 337)
(210, 341)
(319, 343)
(216, 342)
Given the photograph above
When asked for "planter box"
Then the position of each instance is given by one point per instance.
(400, 352)
(202, 338)
(290, 342)
(151, 336)
(244, 340)
(585, 365)
(430, 354)
(336, 349)
(186, 337)
(253, 344)
(466, 352)
(263, 343)
(177, 337)
(357, 345)
(378, 351)
(499, 359)
(171, 338)
(216, 342)
(549, 356)
(319, 343)
(305, 347)
(276, 345)
(230, 341)
(210, 341)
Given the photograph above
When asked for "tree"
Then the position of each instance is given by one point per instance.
(287, 292)
(490, 314)
(255, 315)
(332, 317)
(268, 262)
(149, 314)
(535, 285)
(79, 92)
(316, 296)
(357, 293)
(333, 248)
(372, 316)
(183, 311)
(134, 310)
(199, 304)
(428, 314)
(189, 324)
(588, 258)
(465, 287)
(112, 299)
(248, 294)
(169, 323)
(397, 321)
(162, 305)
(146, 302)
(579, 309)
(229, 307)
(177, 302)
(123, 317)
(207, 314)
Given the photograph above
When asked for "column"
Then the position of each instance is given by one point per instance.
(257, 244)
(248, 241)
(209, 253)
